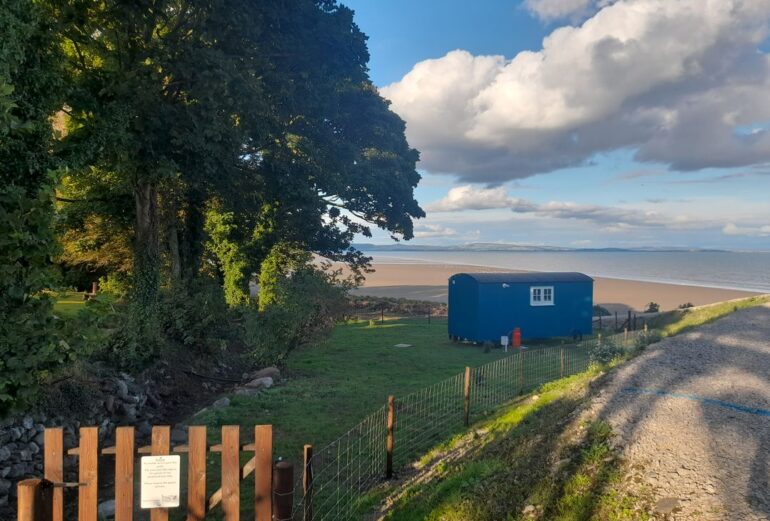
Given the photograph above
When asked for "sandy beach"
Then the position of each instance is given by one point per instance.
(426, 281)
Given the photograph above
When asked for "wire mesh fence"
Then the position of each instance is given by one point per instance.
(336, 477)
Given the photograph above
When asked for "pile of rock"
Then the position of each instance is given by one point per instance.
(255, 382)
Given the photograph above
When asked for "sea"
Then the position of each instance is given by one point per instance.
(748, 271)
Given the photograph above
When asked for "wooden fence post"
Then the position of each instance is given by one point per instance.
(34, 500)
(616, 320)
(561, 362)
(124, 473)
(88, 455)
(307, 483)
(283, 489)
(521, 371)
(467, 395)
(196, 473)
(625, 334)
(389, 440)
(160, 446)
(263, 472)
(53, 464)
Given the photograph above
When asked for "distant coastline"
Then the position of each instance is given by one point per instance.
(491, 246)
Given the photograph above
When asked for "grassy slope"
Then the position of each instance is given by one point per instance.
(512, 467)
(529, 455)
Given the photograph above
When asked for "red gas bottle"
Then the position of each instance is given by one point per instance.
(516, 337)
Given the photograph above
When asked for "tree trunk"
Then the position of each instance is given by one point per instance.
(146, 249)
(172, 233)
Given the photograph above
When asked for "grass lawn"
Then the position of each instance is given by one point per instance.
(333, 385)
(68, 303)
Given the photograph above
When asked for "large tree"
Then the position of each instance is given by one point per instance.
(259, 114)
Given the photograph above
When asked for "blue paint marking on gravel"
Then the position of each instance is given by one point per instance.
(695, 397)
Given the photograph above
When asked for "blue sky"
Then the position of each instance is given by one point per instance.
(590, 123)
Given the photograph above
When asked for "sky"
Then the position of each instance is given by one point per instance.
(586, 123)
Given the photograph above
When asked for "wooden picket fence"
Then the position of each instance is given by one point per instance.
(43, 499)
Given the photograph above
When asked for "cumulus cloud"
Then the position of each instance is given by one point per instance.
(676, 80)
(428, 231)
(468, 197)
(750, 231)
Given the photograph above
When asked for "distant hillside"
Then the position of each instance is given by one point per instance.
(493, 246)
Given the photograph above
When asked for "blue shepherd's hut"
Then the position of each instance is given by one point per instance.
(487, 306)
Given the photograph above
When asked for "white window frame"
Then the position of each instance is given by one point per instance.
(537, 296)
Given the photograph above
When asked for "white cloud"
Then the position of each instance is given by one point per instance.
(557, 9)
(427, 231)
(750, 231)
(675, 79)
(468, 197)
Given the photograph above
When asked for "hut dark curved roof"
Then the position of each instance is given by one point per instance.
(527, 277)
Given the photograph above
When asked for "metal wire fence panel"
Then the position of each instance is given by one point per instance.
(345, 469)
(350, 466)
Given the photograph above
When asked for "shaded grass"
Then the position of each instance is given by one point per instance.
(682, 320)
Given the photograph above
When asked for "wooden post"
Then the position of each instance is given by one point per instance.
(645, 328)
(94, 288)
(34, 500)
(467, 395)
(196, 473)
(160, 446)
(382, 313)
(600, 322)
(600, 340)
(389, 440)
(616, 320)
(124, 473)
(263, 471)
(88, 474)
(53, 465)
(283, 489)
(521, 371)
(561, 356)
(629, 319)
(625, 334)
(307, 483)
(231, 472)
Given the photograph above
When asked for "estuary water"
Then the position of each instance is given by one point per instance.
(731, 270)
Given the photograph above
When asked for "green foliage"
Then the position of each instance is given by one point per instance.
(195, 315)
(228, 252)
(283, 260)
(682, 320)
(606, 351)
(304, 306)
(652, 307)
(28, 348)
(686, 305)
(29, 91)
(599, 311)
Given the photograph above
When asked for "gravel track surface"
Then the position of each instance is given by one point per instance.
(693, 417)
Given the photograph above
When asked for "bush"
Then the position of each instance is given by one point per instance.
(194, 314)
(305, 306)
(650, 337)
(600, 311)
(686, 305)
(605, 352)
(652, 307)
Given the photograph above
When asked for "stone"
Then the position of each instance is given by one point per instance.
(106, 509)
(25, 455)
(267, 372)
(28, 423)
(260, 383)
(16, 433)
(33, 447)
(222, 402)
(528, 510)
(122, 389)
(178, 435)
(109, 404)
(128, 411)
(39, 438)
(666, 505)
(144, 428)
(5, 486)
(246, 391)
(5, 453)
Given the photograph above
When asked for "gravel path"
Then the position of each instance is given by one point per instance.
(693, 417)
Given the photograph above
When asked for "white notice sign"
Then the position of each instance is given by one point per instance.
(160, 481)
